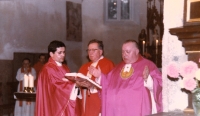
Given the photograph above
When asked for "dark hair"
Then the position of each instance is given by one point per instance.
(100, 43)
(143, 30)
(41, 55)
(26, 59)
(54, 45)
(155, 31)
(133, 41)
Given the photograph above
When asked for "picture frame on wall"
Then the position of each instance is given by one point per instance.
(192, 12)
(74, 21)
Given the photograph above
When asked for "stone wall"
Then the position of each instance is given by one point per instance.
(7, 87)
(173, 97)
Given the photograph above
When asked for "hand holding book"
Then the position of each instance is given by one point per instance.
(82, 80)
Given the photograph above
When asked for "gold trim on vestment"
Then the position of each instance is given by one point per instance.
(126, 75)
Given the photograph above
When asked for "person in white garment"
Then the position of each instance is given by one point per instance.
(24, 107)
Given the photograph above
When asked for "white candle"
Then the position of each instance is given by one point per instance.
(156, 46)
(143, 46)
(31, 80)
(25, 80)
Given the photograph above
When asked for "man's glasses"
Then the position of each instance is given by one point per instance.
(91, 50)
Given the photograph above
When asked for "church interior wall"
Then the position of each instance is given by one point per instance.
(28, 26)
(173, 98)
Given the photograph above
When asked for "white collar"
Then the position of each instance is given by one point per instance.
(58, 63)
(99, 59)
(96, 62)
(127, 67)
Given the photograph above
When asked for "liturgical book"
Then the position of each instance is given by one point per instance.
(82, 78)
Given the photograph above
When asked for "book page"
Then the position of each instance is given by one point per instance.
(83, 77)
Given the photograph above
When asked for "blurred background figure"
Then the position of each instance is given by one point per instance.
(38, 66)
(23, 107)
(155, 37)
(142, 37)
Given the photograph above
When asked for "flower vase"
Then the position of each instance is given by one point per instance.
(196, 101)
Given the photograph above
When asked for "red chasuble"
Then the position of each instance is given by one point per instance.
(93, 102)
(124, 94)
(52, 98)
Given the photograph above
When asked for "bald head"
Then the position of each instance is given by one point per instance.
(135, 43)
(130, 51)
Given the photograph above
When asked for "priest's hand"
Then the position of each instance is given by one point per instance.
(69, 78)
(95, 72)
(145, 73)
(83, 84)
(65, 79)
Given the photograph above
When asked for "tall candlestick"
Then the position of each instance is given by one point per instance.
(31, 80)
(143, 47)
(25, 80)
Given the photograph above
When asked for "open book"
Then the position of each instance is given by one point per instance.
(83, 77)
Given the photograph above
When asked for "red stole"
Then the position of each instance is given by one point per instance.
(93, 101)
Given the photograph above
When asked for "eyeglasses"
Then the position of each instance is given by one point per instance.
(89, 50)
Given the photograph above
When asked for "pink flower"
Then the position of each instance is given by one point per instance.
(173, 70)
(189, 83)
(188, 69)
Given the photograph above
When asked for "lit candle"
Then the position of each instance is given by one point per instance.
(143, 46)
(156, 46)
(25, 80)
(31, 80)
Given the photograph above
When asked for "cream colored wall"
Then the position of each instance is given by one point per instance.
(113, 34)
(29, 26)
(173, 97)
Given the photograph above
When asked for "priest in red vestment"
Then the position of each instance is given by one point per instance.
(54, 96)
(127, 90)
(38, 66)
(91, 102)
